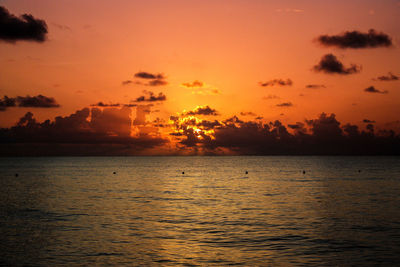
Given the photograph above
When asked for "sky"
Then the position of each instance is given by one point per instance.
(161, 70)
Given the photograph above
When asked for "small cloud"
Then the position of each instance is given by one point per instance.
(147, 75)
(372, 89)
(249, 113)
(389, 77)
(127, 82)
(356, 40)
(285, 104)
(202, 110)
(268, 97)
(315, 86)
(195, 83)
(23, 28)
(200, 88)
(367, 121)
(61, 27)
(7, 102)
(38, 101)
(102, 104)
(153, 79)
(331, 65)
(280, 82)
(151, 97)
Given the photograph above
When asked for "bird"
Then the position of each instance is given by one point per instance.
(114, 172)
(183, 172)
(304, 172)
(247, 172)
(16, 175)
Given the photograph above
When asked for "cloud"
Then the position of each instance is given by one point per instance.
(126, 82)
(7, 102)
(268, 97)
(200, 88)
(321, 136)
(331, 65)
(147, 75)
(285, 104)
(389, 77)
(195, 83)
(104, 105)
(280, 82)
(150, 78)
(372, 89)
(315, 86)
(111, 131)
(356, 40)
(368, 121)
(203, 110)
(85, 132)
(24, 28)
(38, 101)
(61, 27)
(249, 113)
(151, 97)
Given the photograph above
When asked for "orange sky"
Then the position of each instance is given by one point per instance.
(231, 46)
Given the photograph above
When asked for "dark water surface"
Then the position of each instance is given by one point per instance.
(75, 211)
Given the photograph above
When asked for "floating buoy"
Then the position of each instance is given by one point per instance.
(247, 172)
(304, 172)
(114, 172)
(183, 172)
(16, 175)
(359, 170)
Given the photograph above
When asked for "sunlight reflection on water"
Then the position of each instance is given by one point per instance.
(75, 211)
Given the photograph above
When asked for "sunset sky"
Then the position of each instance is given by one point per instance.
(261, 61)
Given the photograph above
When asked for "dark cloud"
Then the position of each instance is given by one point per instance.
(315, 86)
(368, 121)
(372, 89)
(147, 75)
(86, 132)
(126, 82)
(102, 104)
(38, 101)
(321, 136)
(156, 82)
(203, 110)
(356, 39)
(7, 102)
(153, 79)
(280, 82)
(249, 113)
(24, 28)
(331, 65)
(195, 83)
(151, 97)
(389, 77)
(285, 104)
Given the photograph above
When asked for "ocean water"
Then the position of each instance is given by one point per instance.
(74, 211)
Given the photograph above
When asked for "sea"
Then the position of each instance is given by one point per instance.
(200, 211)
